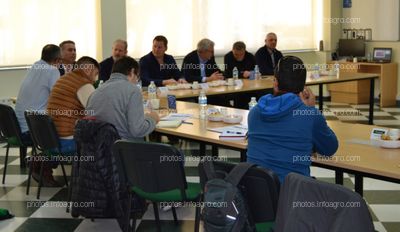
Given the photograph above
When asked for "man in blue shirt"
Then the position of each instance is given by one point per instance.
(33, 95)
(158, 66)
(37, 84)
(285, 128)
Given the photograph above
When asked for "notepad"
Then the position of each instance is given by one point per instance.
(169, 124)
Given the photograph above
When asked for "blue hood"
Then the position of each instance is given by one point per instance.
(275, 107)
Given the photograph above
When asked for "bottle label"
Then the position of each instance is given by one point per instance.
(203, 101)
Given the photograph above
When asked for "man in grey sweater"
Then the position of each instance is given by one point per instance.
(119, 102)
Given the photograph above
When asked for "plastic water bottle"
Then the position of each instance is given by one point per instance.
(139, 85)
(101, 82)
(316, 71)
(203, 105)
(252, 103)
(235, 73)
(257, 74)
(336, 68)
(152, 90)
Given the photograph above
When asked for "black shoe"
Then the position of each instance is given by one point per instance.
(47, 181)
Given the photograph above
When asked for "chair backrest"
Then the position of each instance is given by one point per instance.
(306, 204)
(261, 189)
(42, 130)
(9, 126)
(152, 167)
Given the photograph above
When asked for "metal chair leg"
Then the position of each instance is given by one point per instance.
(157, 216)
(65, 175)
(174, 215)
(5, 163)
(40, 180)
(128, 213)
(22, 154)
(197, 217)
(29, 177)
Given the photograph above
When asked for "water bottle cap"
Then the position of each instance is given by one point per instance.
(253, 98)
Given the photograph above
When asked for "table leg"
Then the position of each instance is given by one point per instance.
(339, 177)
(371, 102)
(358, 185)
(214, 150)
(243, 156)
(320, 97)
(202, 149)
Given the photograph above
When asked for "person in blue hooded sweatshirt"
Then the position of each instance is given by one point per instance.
(285, 128)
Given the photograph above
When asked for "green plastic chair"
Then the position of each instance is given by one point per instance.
(11, 131)
(155, 172)
(46, 143)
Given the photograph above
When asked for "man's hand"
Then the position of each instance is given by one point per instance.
(182, 81)
(154, 116)
(169, 82)
(307, 97)
(246, 74)
(215, 76)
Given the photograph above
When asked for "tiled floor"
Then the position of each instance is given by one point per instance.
(49, 214)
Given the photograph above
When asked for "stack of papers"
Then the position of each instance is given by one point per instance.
(172, 120)
(176, 116)
(237, 132)
(169, 124)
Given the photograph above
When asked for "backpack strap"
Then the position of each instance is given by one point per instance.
(209, 170)
(238, 172)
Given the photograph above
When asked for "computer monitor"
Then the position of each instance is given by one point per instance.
(382, 55)
(352, 47)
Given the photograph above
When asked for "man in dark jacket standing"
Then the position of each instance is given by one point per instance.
(268, 56)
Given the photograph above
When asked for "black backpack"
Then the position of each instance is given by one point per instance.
(225, 206)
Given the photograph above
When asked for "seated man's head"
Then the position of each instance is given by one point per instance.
(290, 75)
(127, 66)
(239, 50)
(68, 51)
(271, 40)
(89, 66)
(51, 54)
(160, 46)
(119, 49)
(205, 49)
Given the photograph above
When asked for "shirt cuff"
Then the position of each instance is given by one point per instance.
(203, 79)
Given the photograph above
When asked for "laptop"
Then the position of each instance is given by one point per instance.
(382, 55)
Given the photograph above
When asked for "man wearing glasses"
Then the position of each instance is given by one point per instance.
(124, 108)
(199, 65)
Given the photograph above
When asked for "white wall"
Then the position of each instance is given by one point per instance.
(113, 26)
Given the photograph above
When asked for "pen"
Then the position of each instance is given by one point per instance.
(233, 132)
(191, 123)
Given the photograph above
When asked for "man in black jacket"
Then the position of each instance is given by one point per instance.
(199, 65)
(119, 50)
(243, 60)
(268, 56)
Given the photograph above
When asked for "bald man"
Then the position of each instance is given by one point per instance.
(119, 50)
(268, 56)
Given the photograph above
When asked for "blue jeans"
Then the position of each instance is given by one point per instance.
(67, 146)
